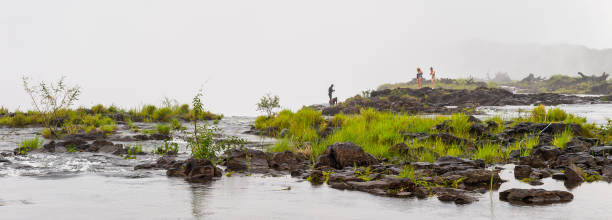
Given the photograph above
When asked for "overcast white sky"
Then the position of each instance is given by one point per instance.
(134, 52)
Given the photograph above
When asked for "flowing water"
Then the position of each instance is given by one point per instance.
(101, 186)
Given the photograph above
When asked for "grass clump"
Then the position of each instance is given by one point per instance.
(282, 145)
(303, 126)
(167, 149)
(560, 140)
(407, 172)
(163, 129)
(490, 153)
(524, 146)
(28, 145)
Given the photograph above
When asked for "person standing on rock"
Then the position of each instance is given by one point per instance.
(330, 91)
(419, 77)
(433, 77)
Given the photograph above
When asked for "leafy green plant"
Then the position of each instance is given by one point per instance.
(407, 172)
(202, 143)
(71, 148)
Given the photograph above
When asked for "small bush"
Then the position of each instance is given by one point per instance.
(46, 133)
(538, 114)
(162, 114)
(167, 149)
(98, 109)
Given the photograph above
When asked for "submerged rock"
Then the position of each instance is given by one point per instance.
(284, 161)
(522, 171)
(340, 155)
(535, 196)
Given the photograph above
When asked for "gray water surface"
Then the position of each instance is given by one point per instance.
(100, 186)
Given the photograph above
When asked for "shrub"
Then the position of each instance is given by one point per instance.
(98, 109)
(162, 114)
(46, 133)
(538, 114)
(148, 110)
(50, 99)
(201, 142)
(19, 120)
(176, 125)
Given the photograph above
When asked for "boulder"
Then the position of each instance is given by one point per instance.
(115, 149)
(199, 170)
(522, 172)
(340, 155)
(573, 176)
(284, 161)
(249, 160)
(601, 151)
(534, 196)
(459, 197)
(546, 153)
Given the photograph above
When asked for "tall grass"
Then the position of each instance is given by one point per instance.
(28, 145)
(561, 140)
(490, 153)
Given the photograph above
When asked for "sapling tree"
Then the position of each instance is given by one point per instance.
(268, 103)
(50, 98)
(202, 142)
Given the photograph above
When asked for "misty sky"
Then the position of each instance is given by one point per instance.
(136, 52)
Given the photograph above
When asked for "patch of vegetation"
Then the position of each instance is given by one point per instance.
(302, 126)
(560, 140)
(202, 142)
(167, 149)
(71, 148)
(490, 153)
(581, 84)
(526, 180)
(28, 145)
(363, 173)
(407, 172)
(591, 177)
(163, 129)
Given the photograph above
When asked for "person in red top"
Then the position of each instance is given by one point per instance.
(419, 77)
(433, 77)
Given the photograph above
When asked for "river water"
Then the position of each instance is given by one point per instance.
(100, 186)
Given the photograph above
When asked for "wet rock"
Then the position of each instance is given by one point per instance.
(559, 176)
(421, 192)
(316, 177)
(523, 128)
(606, 171)
(247, 160)
(573, 176)
(284, 161)
(115, 149)
(534, 196)
(49, 147)
(492, 125)
(474, 120)
(4, 160)
(531, 161)
(477, 178)
(199, 170)
(478, 129)
(522, 172)
(601, 151)
(459, 197)
(546, 153)
(340, 155)
(146, 166)
(582, 159)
